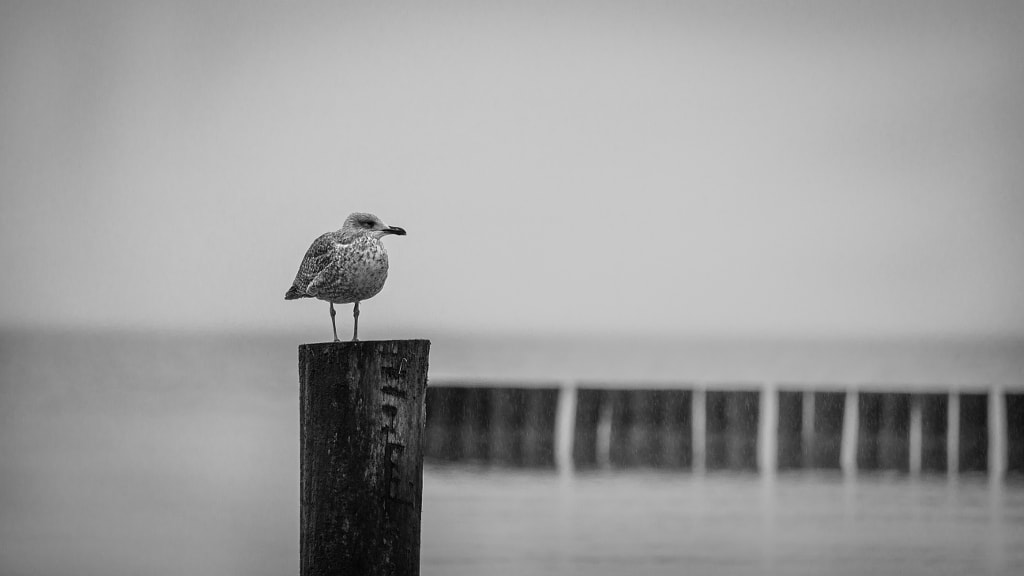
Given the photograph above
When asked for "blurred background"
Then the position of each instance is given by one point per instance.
(605, 198)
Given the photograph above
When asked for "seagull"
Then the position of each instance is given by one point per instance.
(345, 266)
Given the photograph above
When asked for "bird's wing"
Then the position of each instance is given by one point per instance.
(317, 259)
(323, 277)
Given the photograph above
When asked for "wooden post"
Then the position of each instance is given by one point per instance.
(540, 411)
(584, 444)
(642, 406)
(472, 428)
(807, 429)
(565, 428)
(698, 423)
(916, 438)
(362, 414)
(741, 429)
(996, 433)
(673, 435)
(768, 448)
(893, 431)
(851, 424)
(603, 454)
(953, 434)
(790, 404)
(505, 426)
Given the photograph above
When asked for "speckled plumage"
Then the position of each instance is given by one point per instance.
(345, 266)
(342, 270)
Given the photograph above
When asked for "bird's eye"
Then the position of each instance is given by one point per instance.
(366, 223)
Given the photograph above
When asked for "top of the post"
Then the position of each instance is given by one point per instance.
(363, 342)
(367, 344)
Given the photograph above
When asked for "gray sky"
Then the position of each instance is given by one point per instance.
(801, 168)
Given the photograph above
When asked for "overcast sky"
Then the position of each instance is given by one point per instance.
(786, 168)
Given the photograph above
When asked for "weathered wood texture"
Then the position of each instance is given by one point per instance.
(362, 414)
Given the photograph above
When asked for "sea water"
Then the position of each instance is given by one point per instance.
(170, 454)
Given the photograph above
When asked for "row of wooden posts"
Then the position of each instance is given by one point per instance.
(767, 428)
(365, 419)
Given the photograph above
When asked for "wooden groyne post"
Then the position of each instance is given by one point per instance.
(362, 415)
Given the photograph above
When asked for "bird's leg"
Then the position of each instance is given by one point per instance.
(333, 325)
(355, 316)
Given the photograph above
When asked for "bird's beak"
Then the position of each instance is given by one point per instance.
(394, 230)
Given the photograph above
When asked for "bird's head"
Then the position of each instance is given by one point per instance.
(363, 223)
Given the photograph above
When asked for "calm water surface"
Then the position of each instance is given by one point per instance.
(479, 522)
(122, 456)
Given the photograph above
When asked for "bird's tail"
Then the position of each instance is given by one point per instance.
(294, 293)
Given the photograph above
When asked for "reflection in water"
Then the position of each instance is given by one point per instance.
(516, 522)
(996, 552)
